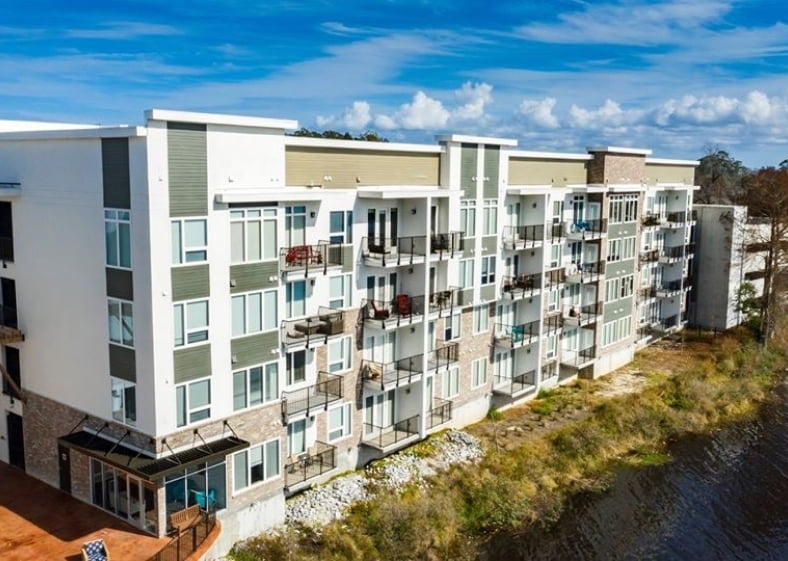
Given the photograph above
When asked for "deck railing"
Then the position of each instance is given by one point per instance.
(186, 543)
(522, 285)
(395, 251)
(440, 412)
(523, 236)
(385, 436)
(516, 335)
(445, 246)
(402, 308)
(320, 460)
(326, 391)
(513, 385)
(310, 258)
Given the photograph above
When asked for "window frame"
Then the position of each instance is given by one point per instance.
(450, 383)
(123, 386)
(268, 395)
(264, 312)
(468, 218)
(490, 217)
(290, 300)
(345, 361)
(449, 330)
(465, 270)
(346, 429)
(121, 305)
(479, 376)
(266, 214)
(264, 462)
(188, 409)
(488, 270)
(184, 329)
(112, 216)
(183, 250)
(289, 358)
(481, 319)
(346, 281)
(345, 235)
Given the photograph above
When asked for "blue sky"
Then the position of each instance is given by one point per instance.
(676, 76)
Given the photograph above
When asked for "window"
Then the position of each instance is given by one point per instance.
(575, 252)
(468, 217)
(553, 298)
(609, 334)
(612, 288)
(296, 367)
(339, 355)
(121, 322)
(478, 372)
(451, 383)
(190, 321)
(341, 226)
(124, 401)
(627, 285)
(481, 318)
(254, 312)
(555, 256)
(613, 251)
(616, 330)
(452, 328)
(490, 227)
(551, 346)
(488, 269)
(189, 241)
(339, 291)
(117, 235)
(466, 273)
(193, 402)
(628, 246)
(252, 235)
(295, 299)
(623, 208)
(339, 422)
(259, 463)
(630, 208)
(296, 437)
(256, 385)
(616, 209)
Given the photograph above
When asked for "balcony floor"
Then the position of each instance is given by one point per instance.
(389, 440)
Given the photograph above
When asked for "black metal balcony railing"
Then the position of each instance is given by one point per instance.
(583, 314)
(326, 391)
(670, 286)
(395, 251)
(580, 357)
(551, 324)
(678, 251)
(310, 258)
(555, 230)
(442, 301)
(443, 356)
(6, 249)
(439, 413)
(522, 285)
(643, 332)
(445, 246)
(399, 372)
(312, 330)
(585, 228)
(650, 220)
(554, 278)
(668, 323)
(649, 256)
(321, 459)
(693, 215)
(383, 437)
(673, 219)
(402, 309)
(515, 385)
(519, 237)
(182, 545)
(517, 335)
(647, 291)
(586, 272)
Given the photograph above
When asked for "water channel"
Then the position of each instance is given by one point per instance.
(723, 498)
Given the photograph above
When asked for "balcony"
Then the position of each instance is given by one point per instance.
(9, 327)
(310, 259)
(649, 256)
(643, 332)
(552, 324)
(650, 220)
(586, 229)
(394, 252)
(578, 359)
(523, 237)
(583, 315)
(515, 336)
(585, 272)
(515, 386)
(669, 289)
(442, 302)
(555, 232)
(401, 310)
(445, 246)
(309, 400)
(389, 375)
(522, 286)
(647, 292)
(443, 357)
(674, 254)
(554, 278)
(391, 437)
(313, 331)
(319, 460)
(675, 220)
(439, 414)
(667, 325)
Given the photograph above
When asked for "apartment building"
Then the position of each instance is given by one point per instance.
(204, 310)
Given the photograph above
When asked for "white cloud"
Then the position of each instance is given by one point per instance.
(475, 97)
(539, 112)
(124, 30)
(610, 114)
(423, 112)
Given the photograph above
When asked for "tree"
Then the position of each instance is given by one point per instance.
(719, 176)
(765, 192)
(370, 136)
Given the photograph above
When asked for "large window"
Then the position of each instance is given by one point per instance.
(613, 250)
(252, 235)
(623, 208)
(256, 385)
(296, 437)
(628, 246)
(124, 401)
(190, 321)
(121, 322)
(490, 217)
(339, 291)
(295, 299)
(189, 241)
(341, 226)
(339, 355)
(296, 367)
(488, 269)
(254, 312)
(616, 330)
(204, 484)
(193, 402)
(451, 383)
(255, 465)
(478, 372)
(481, 319)
(466, 273)
(452, 327)
(468, 217)
(339, 422)
(117, 236)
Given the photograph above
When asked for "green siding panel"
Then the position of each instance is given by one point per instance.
(187, 160)
(192, 363)
(348, 259)
(115, 172)
(254, 276)
(119, 284)
(122, 363)
(621, 230)
(468, 163)
(489, 245)
(465, 297)
(488, 292)
(492, 171)
(255, 349)
(610, 309)
(190, 282)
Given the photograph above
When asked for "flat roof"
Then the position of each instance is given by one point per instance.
(537, 155)
(219, 119)
(470, 139)
(620, 150)
(339, 144)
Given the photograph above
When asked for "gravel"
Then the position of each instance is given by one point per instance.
(320, 505)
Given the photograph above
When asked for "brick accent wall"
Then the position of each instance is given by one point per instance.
(616, 168)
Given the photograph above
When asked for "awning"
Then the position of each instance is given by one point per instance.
(142, 465)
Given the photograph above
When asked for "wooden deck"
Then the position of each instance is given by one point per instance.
(40, 522)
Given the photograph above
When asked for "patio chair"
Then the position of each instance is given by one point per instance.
(403, 305)
(95, 551)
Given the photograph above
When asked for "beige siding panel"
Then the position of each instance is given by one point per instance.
(353, 168)
(669, 174)
(489, 245)
(465, 297)
(190, 282)
(546, 172)
(187, 159)
(192, 363)
(255, 349)
(348, 259)
(492, 165)
(122, 363)
(488, 292)
(254, 276)
(469, 156)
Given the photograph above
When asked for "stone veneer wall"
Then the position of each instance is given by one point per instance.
(617, 168)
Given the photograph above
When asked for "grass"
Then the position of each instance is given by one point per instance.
(706, 383)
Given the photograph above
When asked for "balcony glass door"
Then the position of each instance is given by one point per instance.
(382, 227)
(295, 225)
(378, 411)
